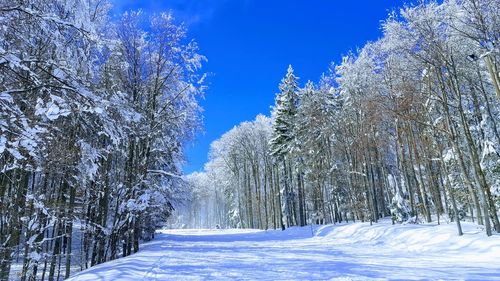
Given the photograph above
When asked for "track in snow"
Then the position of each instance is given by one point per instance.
(349, 252)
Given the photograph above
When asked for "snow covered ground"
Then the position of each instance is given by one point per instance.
(335, 252)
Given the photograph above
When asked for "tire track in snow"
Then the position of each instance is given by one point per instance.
(152, 274)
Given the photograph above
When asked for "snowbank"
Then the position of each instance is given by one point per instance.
(416, 237)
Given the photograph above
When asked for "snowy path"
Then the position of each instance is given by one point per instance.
(350, 252)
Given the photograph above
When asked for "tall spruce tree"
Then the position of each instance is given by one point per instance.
(283, 138)
(284, 113)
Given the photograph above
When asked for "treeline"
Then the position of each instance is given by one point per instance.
(406, 127)
(94, 113)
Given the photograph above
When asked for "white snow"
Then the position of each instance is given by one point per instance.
(3, 143)
(54, 109)
(6, 97)
(448, 155)
(355, 251)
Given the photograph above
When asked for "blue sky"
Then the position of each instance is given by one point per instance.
(250, 43)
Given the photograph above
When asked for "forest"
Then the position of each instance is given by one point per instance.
(96, 111)
(94, 115)
(405, 127)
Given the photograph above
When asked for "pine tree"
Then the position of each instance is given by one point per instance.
(284, 114)
(283, 138)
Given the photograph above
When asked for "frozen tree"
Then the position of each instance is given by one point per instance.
(406, 126)
(94, 117)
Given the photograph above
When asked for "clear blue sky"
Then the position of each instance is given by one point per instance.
(250, 43)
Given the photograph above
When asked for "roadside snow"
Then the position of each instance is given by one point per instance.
(335, 252)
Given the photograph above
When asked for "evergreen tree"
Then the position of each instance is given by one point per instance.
(284, 114)
(283, 140)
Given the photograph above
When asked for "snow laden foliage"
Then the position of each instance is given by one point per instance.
(93, 117)
(405, 127)
(225, 194)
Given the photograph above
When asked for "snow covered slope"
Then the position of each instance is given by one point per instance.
(336, 252)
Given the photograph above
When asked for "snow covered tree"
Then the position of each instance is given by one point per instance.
(95, 115)
(406, 127)
(283, 140)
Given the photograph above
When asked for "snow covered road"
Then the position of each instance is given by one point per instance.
(349, 252)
